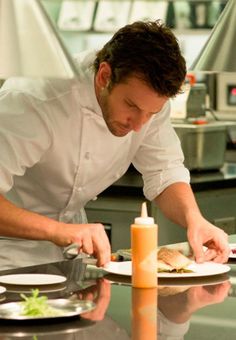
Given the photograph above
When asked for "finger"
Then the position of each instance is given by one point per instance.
(88, 296)
(210, 254)
(102, 302)
(222, 253)
(102, 247)
(198, 251)
(221, 258)
(217, 293)
(103, 256)
(104, 289)
(87, 245)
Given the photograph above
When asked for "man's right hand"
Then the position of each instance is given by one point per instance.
(92, 239)
(21, 223)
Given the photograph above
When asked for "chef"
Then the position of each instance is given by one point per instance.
(64, 141)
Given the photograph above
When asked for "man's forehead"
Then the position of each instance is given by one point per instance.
(149, 103)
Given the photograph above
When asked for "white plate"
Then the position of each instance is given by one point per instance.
(43, 289)
(202, 269)
(232, 255)
(32, 279)
(163, 282)
(2, 289)
(66, 308)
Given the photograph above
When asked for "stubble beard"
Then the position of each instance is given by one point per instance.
(114, 127)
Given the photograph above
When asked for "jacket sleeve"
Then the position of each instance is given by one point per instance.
(24, 135)
(160, 158)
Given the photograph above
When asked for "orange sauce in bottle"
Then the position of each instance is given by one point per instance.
(144, 314)
(144, 251)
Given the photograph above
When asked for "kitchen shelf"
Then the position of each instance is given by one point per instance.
(104, 16)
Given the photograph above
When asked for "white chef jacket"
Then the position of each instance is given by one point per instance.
(168, 330)
(57, 153)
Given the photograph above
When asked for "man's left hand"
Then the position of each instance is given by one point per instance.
(203, 233)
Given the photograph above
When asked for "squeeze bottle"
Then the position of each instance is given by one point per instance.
(144, 314)
(144, 251)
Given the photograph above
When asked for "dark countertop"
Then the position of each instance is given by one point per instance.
(193, 309)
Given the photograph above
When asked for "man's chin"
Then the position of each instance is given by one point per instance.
(120, 133)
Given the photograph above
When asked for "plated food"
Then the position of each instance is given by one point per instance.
(172, 263)
(40, 307)
(172, 260)
(232, 254)
(169, 260)
(195, 270)
(37, 306)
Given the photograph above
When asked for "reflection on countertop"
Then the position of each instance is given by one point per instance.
(124, 313)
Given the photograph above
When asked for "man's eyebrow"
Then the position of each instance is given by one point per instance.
(130, 102)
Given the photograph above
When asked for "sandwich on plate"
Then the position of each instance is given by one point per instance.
(172, 260)
(169, 260)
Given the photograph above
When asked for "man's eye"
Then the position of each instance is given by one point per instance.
(130, 104)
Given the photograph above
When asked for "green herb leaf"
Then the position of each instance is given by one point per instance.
(36, 305)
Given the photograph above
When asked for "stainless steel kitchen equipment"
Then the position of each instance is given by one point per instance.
(196, 102)
(191, 103)
(226, 92)
(204, 145)
(219, 54)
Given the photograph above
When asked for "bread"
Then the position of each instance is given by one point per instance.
(163, 266)
(169, 260)
(173, 258)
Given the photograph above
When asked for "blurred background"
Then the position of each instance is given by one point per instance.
(85, 24)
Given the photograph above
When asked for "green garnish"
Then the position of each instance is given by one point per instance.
(184, 270)
(36, 305)
(179, 271)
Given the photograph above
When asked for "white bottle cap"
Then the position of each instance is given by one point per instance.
(144, 218)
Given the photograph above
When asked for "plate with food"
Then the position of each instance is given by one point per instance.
(172, 264)
(177, 282)
(2, 290)
(183, 247)
(40, 307)
(232, 254)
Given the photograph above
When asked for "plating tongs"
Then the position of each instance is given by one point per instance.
(72, 252)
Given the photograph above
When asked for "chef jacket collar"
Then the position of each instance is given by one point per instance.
(87, 93)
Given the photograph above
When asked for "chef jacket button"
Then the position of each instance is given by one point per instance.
(79, 189)
(95, 198)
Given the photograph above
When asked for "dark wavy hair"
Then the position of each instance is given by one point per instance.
(148, 50)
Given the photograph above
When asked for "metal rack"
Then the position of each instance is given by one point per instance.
(109, 15)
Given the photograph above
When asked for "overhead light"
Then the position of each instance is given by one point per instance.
(219, 52)
(29, 43)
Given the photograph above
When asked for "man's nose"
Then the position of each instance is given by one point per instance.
(138, 122)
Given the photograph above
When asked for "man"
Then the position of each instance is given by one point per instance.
(64, 141)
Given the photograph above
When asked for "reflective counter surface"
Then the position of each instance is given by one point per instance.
(190, 309)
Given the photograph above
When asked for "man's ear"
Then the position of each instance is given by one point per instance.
(103, 75)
